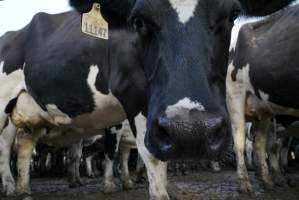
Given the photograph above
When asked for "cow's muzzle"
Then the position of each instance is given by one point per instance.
(198, 135)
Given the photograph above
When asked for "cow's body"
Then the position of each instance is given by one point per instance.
(262, 82)
(74, 95)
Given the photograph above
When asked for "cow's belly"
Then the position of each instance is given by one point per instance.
(62, 138)
(278, 82)
(264, 108)
(11, 85)
(107, 114)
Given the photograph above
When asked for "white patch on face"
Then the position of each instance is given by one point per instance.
(183, 106)
(1, 67)
(184, 8)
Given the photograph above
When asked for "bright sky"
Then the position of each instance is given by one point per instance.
(15, 14)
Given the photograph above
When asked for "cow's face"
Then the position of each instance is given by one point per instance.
(183, 45)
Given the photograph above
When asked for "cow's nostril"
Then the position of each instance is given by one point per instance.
(165, 139)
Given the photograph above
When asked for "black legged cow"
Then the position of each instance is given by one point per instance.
(183, 49)
(262, 82)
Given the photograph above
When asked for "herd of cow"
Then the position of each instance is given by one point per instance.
(166, 69)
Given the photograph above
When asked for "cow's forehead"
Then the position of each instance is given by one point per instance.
(184, 8)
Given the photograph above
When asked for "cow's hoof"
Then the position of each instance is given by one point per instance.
(185, 196)
(291, 182)
(80, 182)
(215, 167)
(161, 197)
(280, 181)
(24, 197)
(246, 187)
(74, 185)
(110, 188)
(9, 191)
(23, 191)
(128, 185)
(91, 176)
(268, 185)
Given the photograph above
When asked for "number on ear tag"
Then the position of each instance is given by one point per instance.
(94, 24)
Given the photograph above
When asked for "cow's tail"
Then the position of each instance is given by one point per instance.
(6, 108)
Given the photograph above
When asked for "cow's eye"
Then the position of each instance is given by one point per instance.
(139, 25)
(234, 14)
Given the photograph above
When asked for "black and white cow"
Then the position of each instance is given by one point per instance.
(262, 82)
(183, 49)
(44, 41)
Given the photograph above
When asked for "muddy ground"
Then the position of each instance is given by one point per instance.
(202, 186)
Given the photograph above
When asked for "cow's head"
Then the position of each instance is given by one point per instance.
(183, 45)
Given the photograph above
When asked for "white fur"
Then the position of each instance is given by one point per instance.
(264, 96)
(182, 106)
(1, 67)
(239, 104)
(184, 8)
(108, 110)
(156, 169)
(60, 118)
(6, 141)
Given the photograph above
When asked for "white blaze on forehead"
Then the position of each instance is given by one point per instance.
(1, 66)
(183, 105)
(184, 8)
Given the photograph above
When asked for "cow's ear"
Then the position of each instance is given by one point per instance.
(110, 8)
(82, 6)
(263, 7)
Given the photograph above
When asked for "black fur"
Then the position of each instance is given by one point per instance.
(272, 56)
(184, 60)
(10, 106)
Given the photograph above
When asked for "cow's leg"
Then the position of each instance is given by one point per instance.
(274, 149)
(125, 174)
(26, 143)
(88, 163)
(260, 146)
(156, 170)
(75, 153)
(140, 170)
(284, 162)
(6, 141)
(236, 106)
(109, 185)
(249, 153)
(215, 166)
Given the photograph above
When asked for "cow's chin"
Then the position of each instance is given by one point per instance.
(184, 141)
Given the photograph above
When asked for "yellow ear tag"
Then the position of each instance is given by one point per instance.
(94, 24)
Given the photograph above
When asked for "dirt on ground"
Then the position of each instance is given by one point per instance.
(199, 186)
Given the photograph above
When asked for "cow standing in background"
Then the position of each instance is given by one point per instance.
(262, 82)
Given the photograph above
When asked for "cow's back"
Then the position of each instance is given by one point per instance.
(270, 47)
